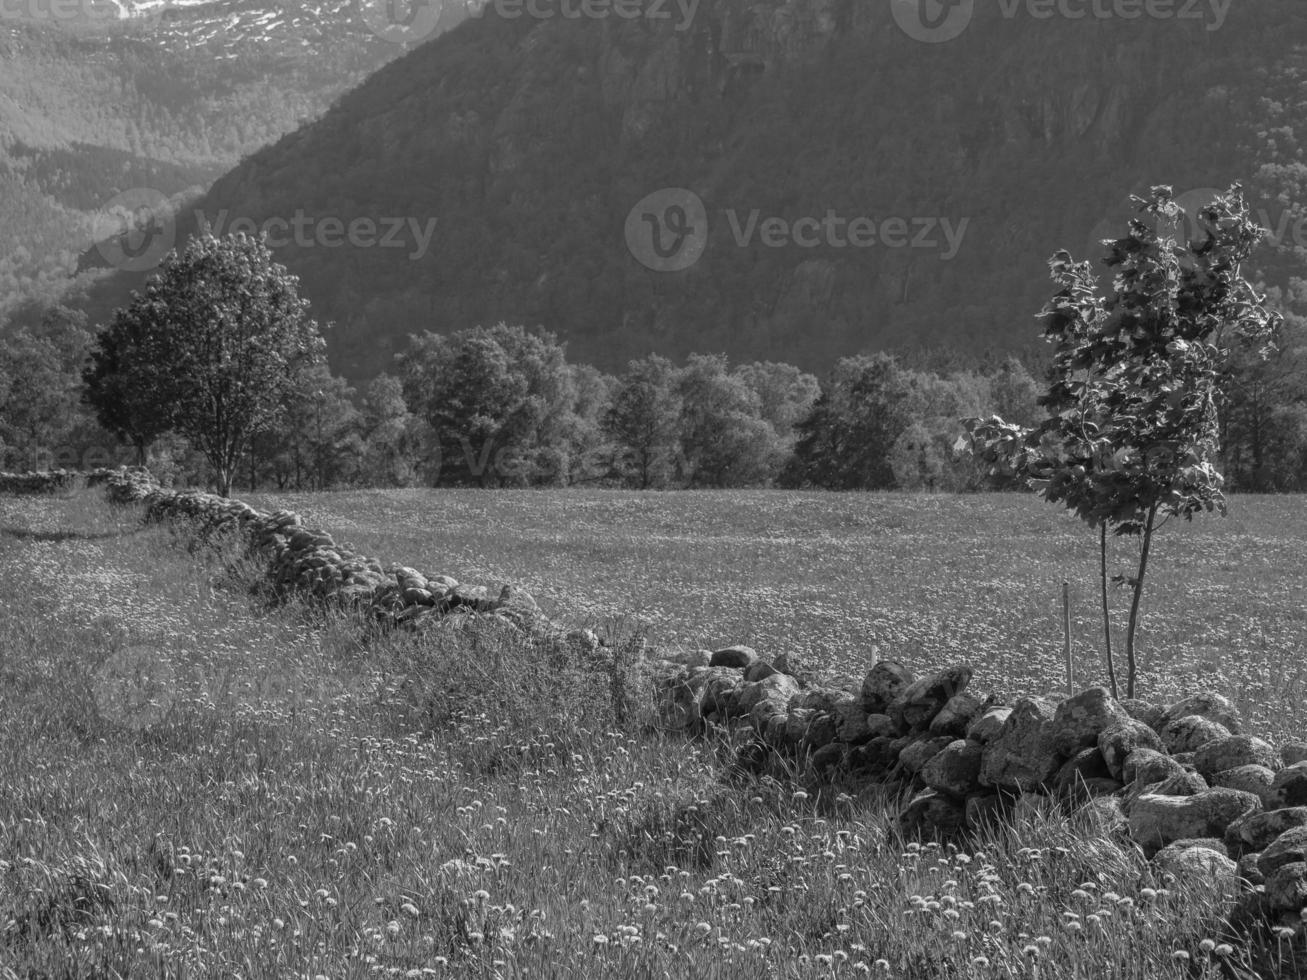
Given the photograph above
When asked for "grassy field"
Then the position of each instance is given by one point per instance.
(930, 579)
(195, 783)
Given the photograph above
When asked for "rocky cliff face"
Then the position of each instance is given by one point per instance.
(971, 161)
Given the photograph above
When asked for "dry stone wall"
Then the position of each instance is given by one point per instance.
(1184, 781)
(39, 482)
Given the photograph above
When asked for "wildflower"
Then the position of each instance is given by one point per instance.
(1223, 949)
(980, 962)
(1207, 945)
(703, 928)
(1180, 956)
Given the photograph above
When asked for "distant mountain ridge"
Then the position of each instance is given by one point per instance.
(530, 141)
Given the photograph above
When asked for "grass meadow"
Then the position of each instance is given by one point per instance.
(196, 782)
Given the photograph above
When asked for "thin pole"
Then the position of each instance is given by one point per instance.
(1066, 637)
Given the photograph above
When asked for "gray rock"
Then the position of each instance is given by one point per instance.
(1191, 732)
(1290, 847)
(883, 684)
(1206, 704)
(1181, 784)
(1100, 816)
(1286, 887)
(1251, 779)
(1221, 754)
(1293, 752)
(824, 698)
(827, 759)
(955, 770)
(1248, 870)
(921, 750)
(1257, 831)
(779, 688)
(1213, 868)
(1148, 766)
(1071, 779)
(988, 724)
(1289, 788)
(1079, 720)
(919, 702)
(759, 670)
(875, 759)
(879, 725)
(957, 714)
(1117, 742)
(1157, 820)
(851, 723)
(1175, 847)
(1022, 755)
(1147, 712)
(931, 815)
(736, 657)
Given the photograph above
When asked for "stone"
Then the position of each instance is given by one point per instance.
(851, 723)
(875, 758)
(957, 714)
(778, 687)
(759, 670)
(883, 684)
(1257, 831)
(1147, 712)
(879, 725)
(1117, 742)
(1288, 848)
(1191, 732)
(1213, 867)
(1247, 867)
(1022, 755)
(1286, 887)
(1293, 752)
(827, 759)
(1250, 779)
(988, 724)
(1221, 754)
(736, 657)
(1100, 816)
(824, 698)
(1079, 720)
(797, 721)
(1180, 784)
(1070, 780)
(955, 770)
(921, 750)
(1148, 766)
(1289, 787)
(931, 815)
(1206, 704)
(1157, 820)
(919, 702)
(822, 731)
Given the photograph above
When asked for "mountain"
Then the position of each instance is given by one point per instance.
(860, 187)
(149, 95)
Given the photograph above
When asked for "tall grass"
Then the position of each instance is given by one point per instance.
(196, 782)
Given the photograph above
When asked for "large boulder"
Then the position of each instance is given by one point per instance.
(921, 749)
(1293, 752)
(1157, 820)
(1147, 766)
(1140, 710)
(955, 770)
(1072, 778)
(1251, 779)
(1079, 720)
(883, 684)
(1199, 862)
(957, 714)
(1233, 751)
(931, 815)
(986, 726)
(1289, 788)
(1206, 704)
(778, 688)
(1286, 887)
(1022, 756)
(851, 723)
(1117, 742)
(759, 670)
(737, 658)
(1288, 848)
(919, 702)
(1257, 831)
(874, 759)
(1191, 732)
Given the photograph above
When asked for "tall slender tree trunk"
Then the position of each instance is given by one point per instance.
(1134, 600)
(1107, 622)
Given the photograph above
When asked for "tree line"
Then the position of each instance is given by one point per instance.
(218, 373)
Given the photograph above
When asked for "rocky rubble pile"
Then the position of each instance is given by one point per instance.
(309, 562)
(1184, 782)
